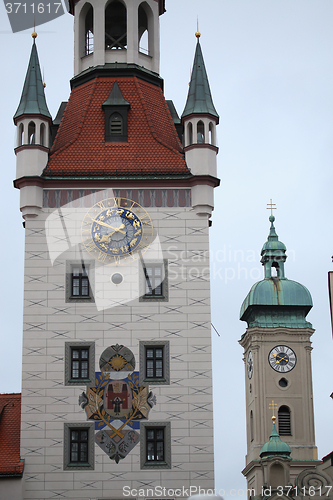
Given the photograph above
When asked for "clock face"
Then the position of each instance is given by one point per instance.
(116, 230)
(250, 364)
(282, 359)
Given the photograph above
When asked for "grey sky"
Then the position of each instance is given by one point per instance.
(270, 69)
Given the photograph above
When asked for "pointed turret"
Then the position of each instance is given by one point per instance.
(33, 98)
(199, 119)
(33, 121)
(199, 99)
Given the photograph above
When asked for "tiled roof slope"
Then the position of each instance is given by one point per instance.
(153, 147)
(10, 429)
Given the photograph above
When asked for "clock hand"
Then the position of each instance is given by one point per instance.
(104, 224)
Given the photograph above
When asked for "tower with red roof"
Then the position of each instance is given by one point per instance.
(116, 196)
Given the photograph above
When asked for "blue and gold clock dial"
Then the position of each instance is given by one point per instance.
(116, 229)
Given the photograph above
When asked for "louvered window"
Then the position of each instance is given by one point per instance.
(284, 421)
(116, 124)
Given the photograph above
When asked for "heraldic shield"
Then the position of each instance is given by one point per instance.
(117, 402)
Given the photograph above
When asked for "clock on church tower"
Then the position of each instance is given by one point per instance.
(116, 195)
(277, 354)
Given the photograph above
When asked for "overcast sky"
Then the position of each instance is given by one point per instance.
(269, 64)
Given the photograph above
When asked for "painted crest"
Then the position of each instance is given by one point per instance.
(117, 402)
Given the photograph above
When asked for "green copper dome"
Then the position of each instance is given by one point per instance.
(275, 447)
(275, 300)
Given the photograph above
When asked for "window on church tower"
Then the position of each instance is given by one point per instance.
(155, 450)
(115, 26)
(89, 32)
(200, 132)
(31, 133)
(284, 421)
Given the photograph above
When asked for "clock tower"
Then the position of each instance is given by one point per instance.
(277, 356)
(117, 376)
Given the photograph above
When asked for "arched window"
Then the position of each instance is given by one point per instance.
(284, 421)
(251, 426)
(143, 30)
(211, 134)
(42, 135)
(89, 32)
(20, 135)
(115, 26)
(190, 134)
(200, 133)
(116, 124)
(31, 133)
(275, 270)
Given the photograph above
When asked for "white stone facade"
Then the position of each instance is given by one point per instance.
(183, 321)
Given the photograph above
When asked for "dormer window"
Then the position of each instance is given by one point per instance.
(116, 125)
(116, 110)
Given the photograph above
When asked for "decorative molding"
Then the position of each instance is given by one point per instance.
(143, 344)
(86, 198)
(90, 426)
(167, 446)
(91, 357)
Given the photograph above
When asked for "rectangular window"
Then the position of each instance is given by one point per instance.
(155, 444)
(154, 362)
(155, 448)
(79, 446)
(154, 281)
(79, 363)
(80, 281)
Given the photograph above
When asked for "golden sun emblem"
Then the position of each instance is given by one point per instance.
(117, 362)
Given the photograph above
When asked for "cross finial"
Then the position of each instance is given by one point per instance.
(271, 206)
(273, 406)
(198, 34)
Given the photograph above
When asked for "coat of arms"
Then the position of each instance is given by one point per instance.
(117, 402)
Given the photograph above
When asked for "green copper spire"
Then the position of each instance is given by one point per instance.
(115, 98)
(275, 300)
(199, 99)
(275, 447)
(33, 99)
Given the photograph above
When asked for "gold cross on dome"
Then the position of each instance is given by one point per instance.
(271, 207)
(273, 406)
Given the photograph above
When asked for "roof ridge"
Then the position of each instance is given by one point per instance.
(157, 139)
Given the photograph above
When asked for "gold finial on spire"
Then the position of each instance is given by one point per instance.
(34, 34)
(271, 207)
(273, 406)
(198, 34)
(44, 84)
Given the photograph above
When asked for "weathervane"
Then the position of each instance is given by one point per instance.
(271, 207)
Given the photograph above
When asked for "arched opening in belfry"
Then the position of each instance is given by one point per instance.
(211, 134)
(251, 426)
(143, 28)
(200, 132)
(31, 133)
(89, 32)
(115, 26)
(284, 421)
(190, 134)
(275, 270)
(42, 135)
(20, 135)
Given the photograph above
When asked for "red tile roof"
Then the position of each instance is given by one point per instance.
(10, 431)
(153, 147)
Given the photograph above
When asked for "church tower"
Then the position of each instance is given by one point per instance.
(277, 356)
(117, 375)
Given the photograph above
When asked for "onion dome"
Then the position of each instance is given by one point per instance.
(275, 300)
(275, 447)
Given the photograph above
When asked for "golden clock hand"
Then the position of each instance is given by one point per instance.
(103, 224)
